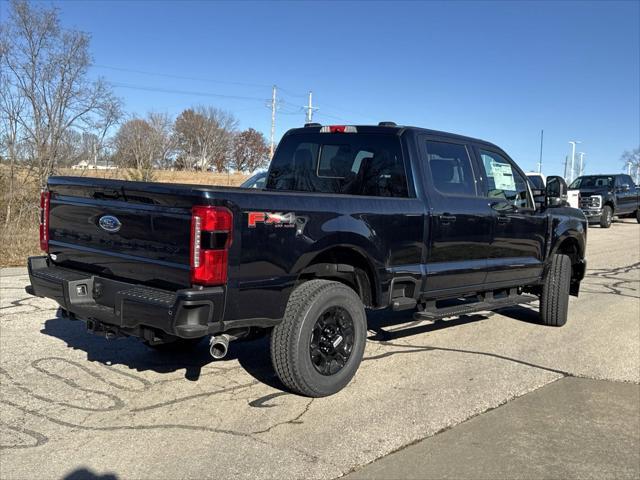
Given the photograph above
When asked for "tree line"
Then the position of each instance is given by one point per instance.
(53, 114)
(200, 138)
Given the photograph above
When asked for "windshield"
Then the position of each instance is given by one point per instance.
(257, 181)
(592, 181)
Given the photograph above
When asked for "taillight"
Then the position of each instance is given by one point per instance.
(211, 229)
(45, 202)
(338, 129)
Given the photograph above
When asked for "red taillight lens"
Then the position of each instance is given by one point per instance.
(45, 202)
(338, 129)
(211, 229)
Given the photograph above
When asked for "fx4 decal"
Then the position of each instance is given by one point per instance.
(276, 219)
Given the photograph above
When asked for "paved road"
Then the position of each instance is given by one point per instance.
(575, 428)
(71, 402)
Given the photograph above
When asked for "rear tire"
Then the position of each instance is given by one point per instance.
(554, 301)
(607, 217)
(319, 344)
(638, 215)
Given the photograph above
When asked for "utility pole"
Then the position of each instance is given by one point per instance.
(541, 141)
(310, 108)
(273, 120)
(581, 164)
(629, 167)
(566, 164)
(573, 158)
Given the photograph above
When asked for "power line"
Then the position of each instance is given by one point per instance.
(184, 92)
(182, 77)
(221, 95)
(349, 111)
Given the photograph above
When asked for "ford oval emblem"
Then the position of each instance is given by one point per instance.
(109, 223)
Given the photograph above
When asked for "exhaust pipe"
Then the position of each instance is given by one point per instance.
(219, 344)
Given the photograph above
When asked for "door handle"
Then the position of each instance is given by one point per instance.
(503, 219)
(447, 218)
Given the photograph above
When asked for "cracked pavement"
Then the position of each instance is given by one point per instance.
(73, 402)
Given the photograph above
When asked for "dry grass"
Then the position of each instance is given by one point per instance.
(165, 176)
(19, 239)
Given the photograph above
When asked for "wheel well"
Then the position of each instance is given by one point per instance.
(571, 248)
(346, 265)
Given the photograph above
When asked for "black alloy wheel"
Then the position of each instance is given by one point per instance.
(332, 340)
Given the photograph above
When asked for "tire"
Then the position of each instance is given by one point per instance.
(554, 301)
(308, 362)
(638, 215)
(607, 217)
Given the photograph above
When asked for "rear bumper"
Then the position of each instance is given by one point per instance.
(110, 306)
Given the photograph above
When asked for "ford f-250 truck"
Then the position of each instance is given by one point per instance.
(351, 217)
(601, 197)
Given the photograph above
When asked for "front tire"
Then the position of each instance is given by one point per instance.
(607, 217)
(319, 344)
(554, 301)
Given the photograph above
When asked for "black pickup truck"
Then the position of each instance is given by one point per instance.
(603, 196)
(351, 217)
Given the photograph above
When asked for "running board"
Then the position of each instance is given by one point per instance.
(487, 303)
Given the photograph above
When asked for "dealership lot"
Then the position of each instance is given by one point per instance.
(72, 402)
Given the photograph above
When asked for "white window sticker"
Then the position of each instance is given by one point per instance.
(503, 176)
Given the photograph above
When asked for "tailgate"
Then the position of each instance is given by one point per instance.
(122, 230)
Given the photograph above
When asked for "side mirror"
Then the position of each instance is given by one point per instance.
(556, 191)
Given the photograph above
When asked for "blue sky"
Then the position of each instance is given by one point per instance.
(501, 71)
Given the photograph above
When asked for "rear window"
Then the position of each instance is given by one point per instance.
(347, 163)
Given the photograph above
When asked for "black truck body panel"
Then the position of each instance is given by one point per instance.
(422, 245)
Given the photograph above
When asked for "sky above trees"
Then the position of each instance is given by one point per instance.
(495, 70)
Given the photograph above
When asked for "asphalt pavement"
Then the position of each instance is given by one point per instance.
(78, 406)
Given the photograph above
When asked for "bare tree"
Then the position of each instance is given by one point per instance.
(631, 160)
(204, 137)
(143, 144)
(45, 69)
(250, 151)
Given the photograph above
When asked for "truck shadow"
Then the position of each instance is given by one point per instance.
(389, 325)
(252, 355)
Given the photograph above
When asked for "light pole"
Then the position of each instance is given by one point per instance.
(581, 164)
(540, 161)
(573, 158)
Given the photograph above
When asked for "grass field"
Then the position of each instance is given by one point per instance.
(19, 239)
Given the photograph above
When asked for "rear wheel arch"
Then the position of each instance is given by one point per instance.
(347, 265)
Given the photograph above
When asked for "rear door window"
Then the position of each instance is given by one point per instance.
(451, 169)
(344, 163)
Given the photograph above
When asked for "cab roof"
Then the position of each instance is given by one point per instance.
(391, 128)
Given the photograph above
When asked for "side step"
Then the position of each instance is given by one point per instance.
(485, 302)
(403, 303)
